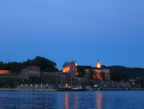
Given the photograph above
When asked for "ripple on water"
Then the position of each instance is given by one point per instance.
(73, 100)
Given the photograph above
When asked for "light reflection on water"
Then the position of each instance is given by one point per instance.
(66, 100)
(72, 100)
(98, 99)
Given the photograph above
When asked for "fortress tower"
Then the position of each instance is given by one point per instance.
(98, 65)
(75, 61)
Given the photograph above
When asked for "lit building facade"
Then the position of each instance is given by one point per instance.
(31, 71)
(104, 70)
(5, 71)
(68, 66)
(97, 70)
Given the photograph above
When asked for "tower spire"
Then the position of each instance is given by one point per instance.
(98, 65)
(75, 61)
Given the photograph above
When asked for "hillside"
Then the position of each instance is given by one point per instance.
(132, 72)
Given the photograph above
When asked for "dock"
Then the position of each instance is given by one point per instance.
(116, 89)
(26, 89)
(92, 89)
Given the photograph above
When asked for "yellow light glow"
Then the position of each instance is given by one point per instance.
(98, 100)
(66, 69)
(75, 64)
(4, 72)
(98, 65)
(99, 78)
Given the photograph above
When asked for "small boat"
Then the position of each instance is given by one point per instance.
(78, 89)
(64, 88)
(68, 88)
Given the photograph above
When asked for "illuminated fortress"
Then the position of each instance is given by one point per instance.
(71, 66)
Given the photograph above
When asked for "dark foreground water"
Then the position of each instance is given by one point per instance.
(72, 100)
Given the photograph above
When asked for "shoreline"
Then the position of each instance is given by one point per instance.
(20, 89)
(97, 89)
(117, 89)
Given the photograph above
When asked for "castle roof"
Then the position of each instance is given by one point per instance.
(96, 68)
(85, 67)
(90, 67)
(67, 64)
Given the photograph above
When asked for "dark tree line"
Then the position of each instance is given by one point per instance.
(81, 71)
(132, 72)
(140, 81)
(45, 65)
(92, 74)
(114, 76)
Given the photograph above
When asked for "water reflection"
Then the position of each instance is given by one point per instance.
(98, 99)
(76, 100)
(66, 101)
(29, 100)
(72, 100)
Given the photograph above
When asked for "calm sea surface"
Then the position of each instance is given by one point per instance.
(72, 100)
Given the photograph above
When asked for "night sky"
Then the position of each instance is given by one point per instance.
(111, 30)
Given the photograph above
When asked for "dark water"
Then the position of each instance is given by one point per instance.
(72, 100)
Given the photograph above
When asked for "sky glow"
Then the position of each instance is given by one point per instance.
(111, 30)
